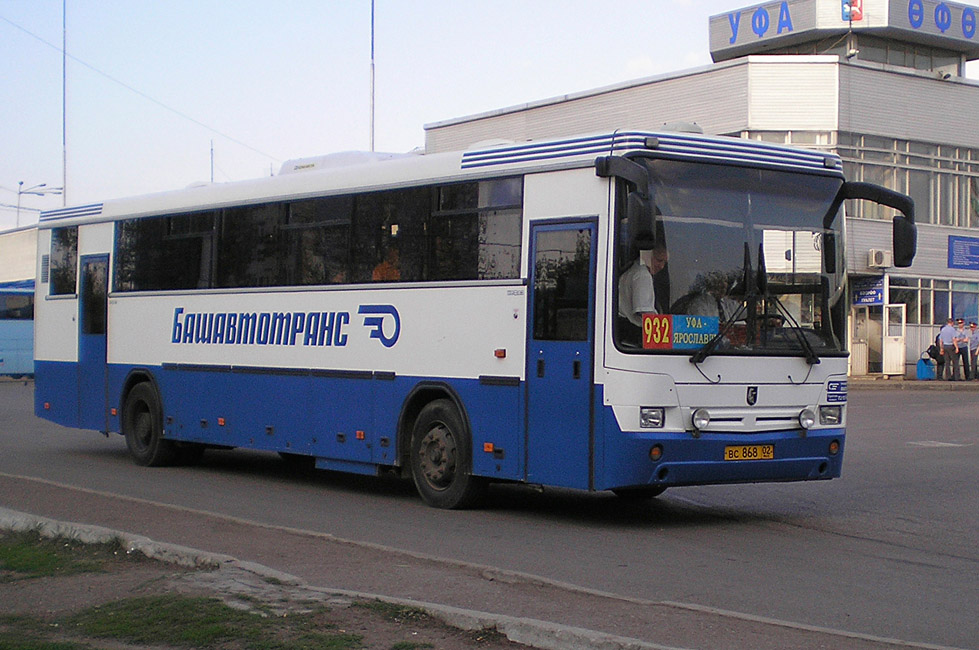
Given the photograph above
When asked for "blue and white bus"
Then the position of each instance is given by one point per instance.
(17, 328)
(454, 317)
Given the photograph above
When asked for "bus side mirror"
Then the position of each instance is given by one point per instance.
(829, 252)
(904, 240)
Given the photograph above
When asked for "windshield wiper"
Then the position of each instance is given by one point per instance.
(755, 288)
(750, 293)
(811, 357)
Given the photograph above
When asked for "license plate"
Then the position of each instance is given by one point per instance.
(750, 452)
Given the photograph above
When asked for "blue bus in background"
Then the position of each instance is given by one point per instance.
(17, 328)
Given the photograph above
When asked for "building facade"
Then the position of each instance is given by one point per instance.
(880, 82)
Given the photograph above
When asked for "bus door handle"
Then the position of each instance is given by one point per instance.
(540, 367)
(576, 369)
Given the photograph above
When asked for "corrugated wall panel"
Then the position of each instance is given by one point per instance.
(715, 99)
(931, 260)
(793, 93)
(908, 106)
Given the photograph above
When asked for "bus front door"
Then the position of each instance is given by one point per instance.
(92, 308)
(560, 354)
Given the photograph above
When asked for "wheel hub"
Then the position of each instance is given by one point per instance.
(438, 457)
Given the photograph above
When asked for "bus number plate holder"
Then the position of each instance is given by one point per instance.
(749, 452)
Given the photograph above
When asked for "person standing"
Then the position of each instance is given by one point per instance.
(974, 349)
(947, 337)
(962, 348)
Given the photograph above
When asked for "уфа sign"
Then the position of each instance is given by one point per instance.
(963, 253)
(763, 21)
(868, 291)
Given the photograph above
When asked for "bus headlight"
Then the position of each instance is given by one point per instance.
(831, 415)
(652, 417)
(701, 418)
(807, 418)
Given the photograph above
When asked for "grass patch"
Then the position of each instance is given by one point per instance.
(396, 613)
(202, 623)
(26, 555)
(27, 633)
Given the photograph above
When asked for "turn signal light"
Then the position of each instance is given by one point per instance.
(655, 453)
(500, 353)
(834, 447)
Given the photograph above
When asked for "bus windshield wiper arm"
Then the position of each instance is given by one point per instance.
(707, 349)
(811, 357)
(750, 292)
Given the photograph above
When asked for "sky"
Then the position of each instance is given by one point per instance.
(151, 86)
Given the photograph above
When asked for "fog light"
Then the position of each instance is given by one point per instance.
(701, 418)
(651, 418)
(655, 453)
(831, 415)
(807, 418)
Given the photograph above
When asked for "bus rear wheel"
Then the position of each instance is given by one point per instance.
(441, 458)
(142, 425)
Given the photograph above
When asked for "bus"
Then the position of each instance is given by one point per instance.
(453, 318)
(17, 328)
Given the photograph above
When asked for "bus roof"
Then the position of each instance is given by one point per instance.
(17, 287)
(368, 172)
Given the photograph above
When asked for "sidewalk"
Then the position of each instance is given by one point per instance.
(526, 609)
(878, 382)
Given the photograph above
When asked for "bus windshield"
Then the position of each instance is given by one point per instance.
(743, 261)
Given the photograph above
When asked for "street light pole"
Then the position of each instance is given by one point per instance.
(37, 190)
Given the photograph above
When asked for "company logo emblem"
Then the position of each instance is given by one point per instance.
(752, 396)
(852, 10)
(378, 315)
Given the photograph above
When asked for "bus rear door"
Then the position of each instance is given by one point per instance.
(92, 312)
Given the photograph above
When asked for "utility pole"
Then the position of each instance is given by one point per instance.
(64, 103)
(372, 75)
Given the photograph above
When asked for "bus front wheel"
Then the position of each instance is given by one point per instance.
(441, 458)
(142, 425)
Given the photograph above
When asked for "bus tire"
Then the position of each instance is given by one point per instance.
(142, 425)
(441, 458)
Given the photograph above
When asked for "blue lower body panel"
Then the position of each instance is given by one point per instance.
(350, 421)
(351, 418)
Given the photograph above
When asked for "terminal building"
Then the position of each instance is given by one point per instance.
(879, 82)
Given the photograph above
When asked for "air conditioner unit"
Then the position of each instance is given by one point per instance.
(878, 259)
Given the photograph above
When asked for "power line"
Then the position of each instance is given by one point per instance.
(139, 92)
(7, 206)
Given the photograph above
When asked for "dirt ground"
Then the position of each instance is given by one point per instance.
(53, 598)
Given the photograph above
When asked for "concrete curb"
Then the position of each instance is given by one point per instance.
(530, 632)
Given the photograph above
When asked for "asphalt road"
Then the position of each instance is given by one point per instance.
(890, 550)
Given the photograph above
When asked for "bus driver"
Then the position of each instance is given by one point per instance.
(637, 293)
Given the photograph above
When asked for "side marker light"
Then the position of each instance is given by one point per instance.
(656, 453)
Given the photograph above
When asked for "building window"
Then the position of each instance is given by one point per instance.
(942, 180)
